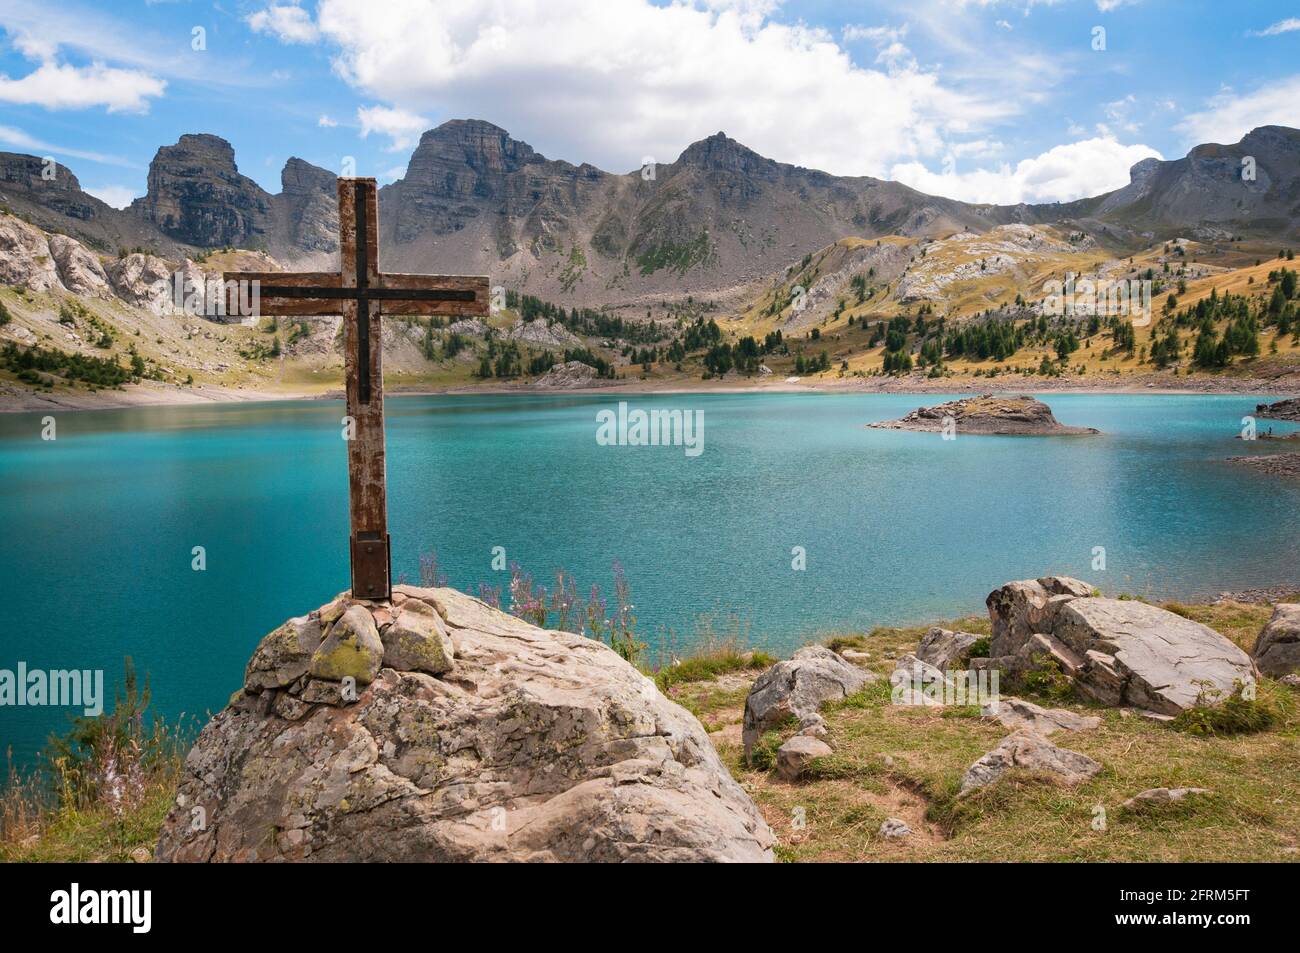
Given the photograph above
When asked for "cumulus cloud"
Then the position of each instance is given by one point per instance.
(118, 196)
(401, 127)
(287, 21)
(1230, 115)
(62, 86)
(1061, 174)
(612, 81)
(326, 122)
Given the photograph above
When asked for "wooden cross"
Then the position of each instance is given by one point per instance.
(362, 294)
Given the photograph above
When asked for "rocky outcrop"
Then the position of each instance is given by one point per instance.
(1021, 608)
(476, 737)
(1015, 416)
(25, 259)
(1117, 652)
(1277, 650)
(795, 690)
(566, 375)
(1029, 751)
(79, 270)
(942, 647)
(1280, 410)
(144, 281)
(472, 327)
(1141, 655)
(542, 334)
(1277, 464)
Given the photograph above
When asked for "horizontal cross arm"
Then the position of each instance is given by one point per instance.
(456, 295)
(289, 293)
(316, 294)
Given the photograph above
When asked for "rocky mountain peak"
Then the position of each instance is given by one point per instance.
(29, 172)
(300, 177)
(719, 152)
(197, 195)
(481, 146)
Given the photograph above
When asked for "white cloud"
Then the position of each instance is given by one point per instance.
(402, 128)
(1289, 25)
(1229, 116)
(61, 86)
(18, 139)
(118, 196)
(1106, 6)
(611, 81)
(1063, 173)
(289, 22)
(325, 122)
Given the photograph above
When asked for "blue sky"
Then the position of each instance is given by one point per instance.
(983, 100)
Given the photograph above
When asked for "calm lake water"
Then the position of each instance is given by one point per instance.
(98, 525)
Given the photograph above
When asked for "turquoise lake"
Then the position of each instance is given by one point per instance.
(99, 524)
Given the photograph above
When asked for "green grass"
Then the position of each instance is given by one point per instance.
(907, 762)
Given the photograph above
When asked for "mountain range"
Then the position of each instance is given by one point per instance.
(475, 200)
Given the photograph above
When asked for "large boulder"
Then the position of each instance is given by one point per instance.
(1117, 651)
(796, 688)
(1141, 655)
(534, 745)
(1020, 609)
(1277, 650)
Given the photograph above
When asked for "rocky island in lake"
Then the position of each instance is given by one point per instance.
(1019, 415)
(1281, 410)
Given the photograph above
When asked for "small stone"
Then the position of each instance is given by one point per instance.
(794, 757)
(352, 648)
(284, 655)
(1016, 713)
(798, 687)
(942, 647)
(418, 641)
(141, 855)
(893, 828)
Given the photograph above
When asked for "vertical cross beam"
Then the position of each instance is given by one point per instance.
(363, 360)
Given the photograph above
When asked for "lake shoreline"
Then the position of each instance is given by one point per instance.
(151, 395)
